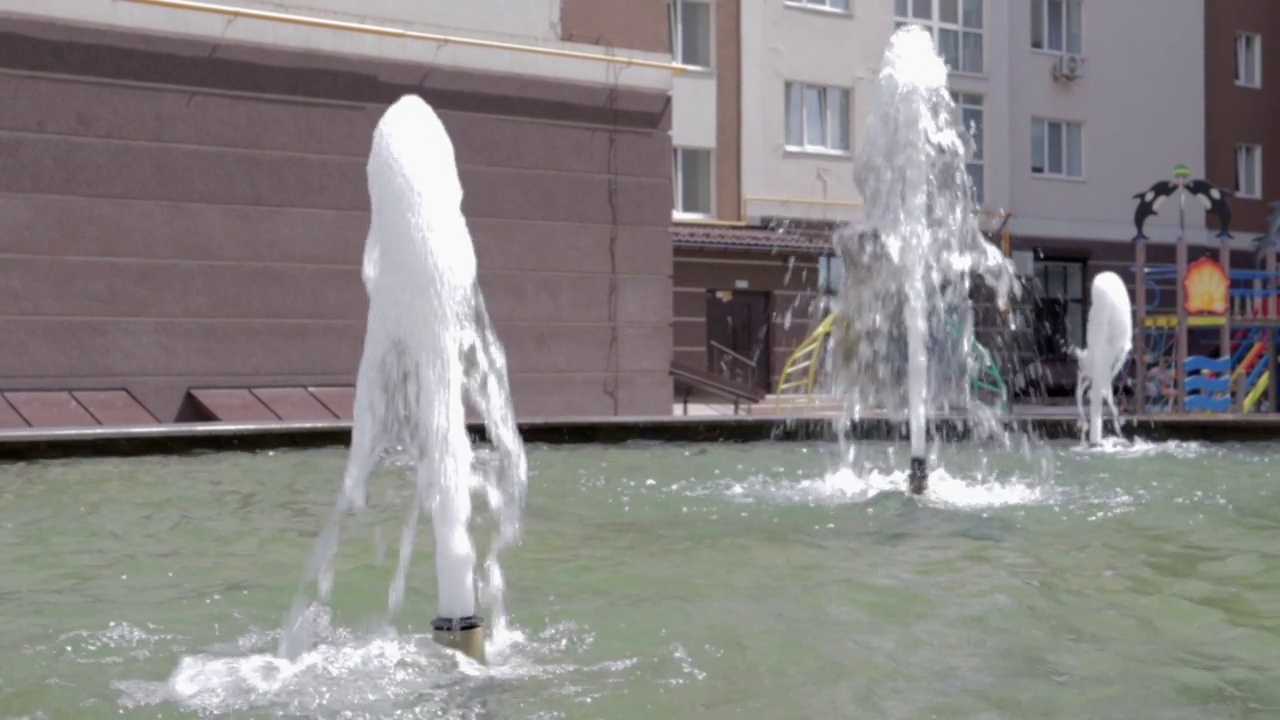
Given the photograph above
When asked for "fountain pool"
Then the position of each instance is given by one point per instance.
(664, 580)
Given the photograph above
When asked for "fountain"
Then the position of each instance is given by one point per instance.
(905, 299)
(1109, 338)
(428, 342)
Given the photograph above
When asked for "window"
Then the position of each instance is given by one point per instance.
(1056, 148)
(690, 23)
(692, 181)
(830, 275)
(834, 5)
(1249, 60)
(1059, 307)
(969, 115)
(817, 117)
(956, 26)
(1249, 171)
(1056, 26)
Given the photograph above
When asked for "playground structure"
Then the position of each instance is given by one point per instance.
(1241, 305)
(1243, 308)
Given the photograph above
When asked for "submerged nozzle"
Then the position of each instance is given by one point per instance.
(466, 635)
(918, 478)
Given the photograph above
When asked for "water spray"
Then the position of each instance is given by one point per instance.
(904, 328)
(429, 345)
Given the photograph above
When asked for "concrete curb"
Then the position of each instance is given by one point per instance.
(180, 438)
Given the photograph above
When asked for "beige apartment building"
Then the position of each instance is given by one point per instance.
(1072, 113)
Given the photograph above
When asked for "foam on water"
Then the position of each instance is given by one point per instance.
(429, 346)
(847, 486)
(379, 675)
(1138, 448)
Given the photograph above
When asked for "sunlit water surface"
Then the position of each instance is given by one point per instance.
(665, 581)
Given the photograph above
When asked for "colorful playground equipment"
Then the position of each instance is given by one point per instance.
(1239, 377)
(1241, 305)
(802, 372)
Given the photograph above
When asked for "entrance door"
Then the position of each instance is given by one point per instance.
(738, 322)
(1060, 307)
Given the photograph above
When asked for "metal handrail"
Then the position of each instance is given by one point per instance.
(367, 29)
(751, 367)
(731, 353)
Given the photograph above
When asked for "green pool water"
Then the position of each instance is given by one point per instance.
(665, 581)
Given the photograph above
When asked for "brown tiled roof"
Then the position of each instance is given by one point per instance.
(751, 238)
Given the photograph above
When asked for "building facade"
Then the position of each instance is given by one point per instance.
(1094, 114)
(1072, 113)
(183, 238)
(1242, 139)
(766, 172)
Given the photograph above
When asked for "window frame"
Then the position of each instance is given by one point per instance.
(1041, 8)
(1066, 265)
(1257, 171)
(676, 33)
(935, 24)
(962, 102)
(822, 6)
(1241, 80)
(831, 274)
(677, 184)
(1063, 174)
(828, 147)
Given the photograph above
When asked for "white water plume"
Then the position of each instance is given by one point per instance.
(904, 330)
(428, 345)
(1110, 338)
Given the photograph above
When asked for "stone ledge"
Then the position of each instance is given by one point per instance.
(31, 444)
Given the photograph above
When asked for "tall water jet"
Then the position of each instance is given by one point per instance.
(1109, 337)
(905, 301)
(428, 344)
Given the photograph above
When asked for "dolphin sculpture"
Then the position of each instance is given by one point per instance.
(1149, 202)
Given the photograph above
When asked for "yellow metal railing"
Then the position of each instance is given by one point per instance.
(805, 360)
(367, 29)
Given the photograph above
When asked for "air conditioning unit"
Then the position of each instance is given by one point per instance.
(1068, 67)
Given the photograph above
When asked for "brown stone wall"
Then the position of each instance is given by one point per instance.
(728, 154)
(630, 24)
(176, 214)
(1235, 114)
(791, 279)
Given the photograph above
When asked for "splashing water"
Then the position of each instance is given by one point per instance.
(905, 300)
(428, 345)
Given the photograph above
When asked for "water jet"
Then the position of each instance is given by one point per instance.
(904, 326)
(429, 347)
(1109, 337)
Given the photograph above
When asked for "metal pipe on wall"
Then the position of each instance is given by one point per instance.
(384, 31)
